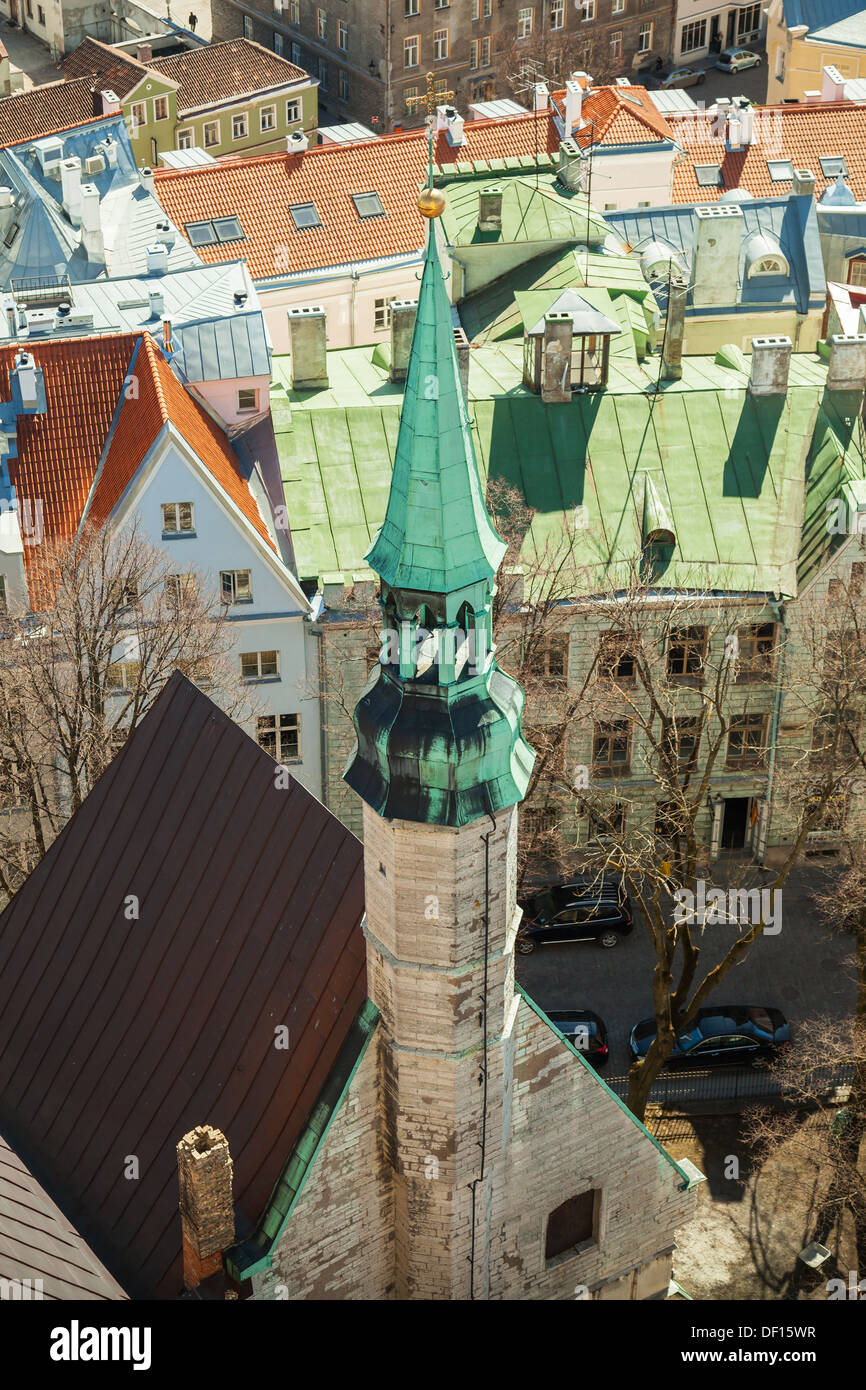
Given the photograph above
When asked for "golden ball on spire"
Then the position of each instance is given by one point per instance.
(431, 203)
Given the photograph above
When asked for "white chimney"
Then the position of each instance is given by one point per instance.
(832, 84)
(573, 104)
(7, 197)
(811, 98)
(541, 96)
(297, 142)
(156, 300)
(92, 238)
(166, 233)
(70, 183)
(747, 125)
(110, 103)
(771, 360)
(156, 257)
(25, 371)
(145, 178)
(734, 134)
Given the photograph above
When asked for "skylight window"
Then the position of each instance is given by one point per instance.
(228, 229)
(832, 165)
(708, 175)
(780, 170)
(304, 215)
(219, 230)
(368, 204)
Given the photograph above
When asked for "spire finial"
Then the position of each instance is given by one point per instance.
(431, 202)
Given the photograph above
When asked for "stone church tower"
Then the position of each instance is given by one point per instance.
(470, 1152)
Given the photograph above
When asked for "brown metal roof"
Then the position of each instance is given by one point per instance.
(118, 1036)
(38, 1244)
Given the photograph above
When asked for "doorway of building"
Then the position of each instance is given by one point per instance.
(715, 35)
(154, 153)
(735, 822)
(732, 19)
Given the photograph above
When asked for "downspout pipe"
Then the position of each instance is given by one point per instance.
(778, 610)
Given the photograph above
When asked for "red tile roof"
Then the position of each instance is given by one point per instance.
(159, 398)
(44, 110)
(59, 452)
(118, 1041)
(800, 133)
(618, 116)
(220, 71)
(116, 71)
(260, 189)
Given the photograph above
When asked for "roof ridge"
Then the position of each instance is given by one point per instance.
(152, 353)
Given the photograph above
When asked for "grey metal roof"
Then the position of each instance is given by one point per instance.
(674, 100)
(491, 110)
(223, 348)
(346, 134)
(192, 158)
(37, 1243)
(584, 316)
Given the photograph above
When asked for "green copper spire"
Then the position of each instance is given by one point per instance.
(438, 726)
(436, 534)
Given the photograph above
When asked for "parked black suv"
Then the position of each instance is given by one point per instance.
(585, 908)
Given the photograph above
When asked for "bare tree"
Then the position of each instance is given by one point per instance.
(549, 56)
(78, 676)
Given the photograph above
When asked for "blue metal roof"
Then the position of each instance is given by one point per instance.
(218, 348)
(818, 14)
(791, 223)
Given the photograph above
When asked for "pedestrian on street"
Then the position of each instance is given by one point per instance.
(192, 21)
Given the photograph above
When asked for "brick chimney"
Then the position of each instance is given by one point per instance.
(207, 1217)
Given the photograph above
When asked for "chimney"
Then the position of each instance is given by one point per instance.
(540, 96)
(771, 358)
(747, 124)
(812, 97)
(672, 350)
(144, 52)
(804, 182)
(308, 346)
(297, 142)
(156, 300)
(573, 105)
(110, 104)
(403, 313)
(156, 257)
(734, 134)
(449, 120)
(25, 375)
(832, 85)
(145, 178)
(570, 166)
(166, 234)
(7, 196)
(461, 342)
(847, 370)
(556, 358)
(70, 183)
(490, 209)
(204, 1169)
(716, 264)
(92, 238)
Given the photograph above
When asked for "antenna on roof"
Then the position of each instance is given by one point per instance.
(532, 76)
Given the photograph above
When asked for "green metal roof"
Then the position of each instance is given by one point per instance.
(436, 535)
(732, 468)
(535, 208)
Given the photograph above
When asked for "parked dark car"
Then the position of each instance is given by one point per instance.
(683, 77)
(585, 1031)
(726, 1035)
(583, 908)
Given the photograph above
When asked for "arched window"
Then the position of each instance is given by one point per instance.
(768, 265)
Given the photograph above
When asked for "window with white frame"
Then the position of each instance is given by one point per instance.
(474, 47)
(588, 10)
(279, 44)
(486, 8)
(240, 125)
(344, 85)
(294, 11)
(184, 139)
(180, 589)
(235, 586)
(381, 314)
(413, 7)
(411, 51)
(178, 519)
(138, 114)
(280, 735)
(617, 6)
(293, 111)
(693, 36)
(324, 75)
(748, 21)
(248, 398)
(557, 14)
(616, 44)
(321, 24)
(211, 134)
(440, 44)
(410, 99)
(343, 36)
(485, 53)
(645, 38)
(295, 53)
(160, 108)
(476, 9)
(248, 27)
(268, 118)
(260, 666)
(441, 4)
(524, 22)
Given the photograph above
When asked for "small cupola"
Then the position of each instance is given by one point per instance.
(568, 349)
